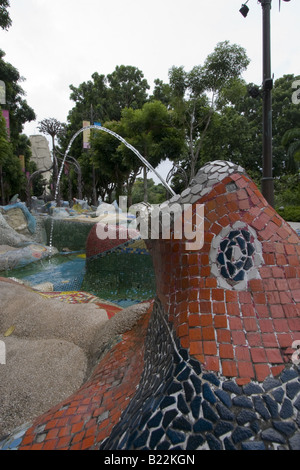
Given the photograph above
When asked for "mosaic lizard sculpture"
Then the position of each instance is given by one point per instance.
(214, 362)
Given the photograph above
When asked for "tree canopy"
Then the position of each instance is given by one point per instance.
(5, 20)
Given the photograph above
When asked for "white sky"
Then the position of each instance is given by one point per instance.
(55, 43)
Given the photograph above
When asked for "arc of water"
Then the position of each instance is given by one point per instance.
(117, 136)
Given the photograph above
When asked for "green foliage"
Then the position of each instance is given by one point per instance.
(5, 20)
(291, 141)
(11, 175)
(156, 193)
(195, 97)
(290, 214)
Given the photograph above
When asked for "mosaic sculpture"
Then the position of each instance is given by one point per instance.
(214, 363)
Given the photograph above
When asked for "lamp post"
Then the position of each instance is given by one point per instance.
(267, 182)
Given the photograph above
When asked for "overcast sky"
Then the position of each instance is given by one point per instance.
(55, 43)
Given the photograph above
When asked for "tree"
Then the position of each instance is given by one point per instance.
(5, 20)
(19, 110)
(108, 158)
(156, 192)
(127, 89)
(291, 141)
(11, 177)
(195, 95)
(150, 130)
(54, 128)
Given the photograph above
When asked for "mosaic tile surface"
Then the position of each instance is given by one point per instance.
(214, 363)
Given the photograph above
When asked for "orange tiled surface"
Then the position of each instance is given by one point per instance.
(85, 419)
(244, 334)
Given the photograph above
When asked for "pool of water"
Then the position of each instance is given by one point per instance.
(120, 278)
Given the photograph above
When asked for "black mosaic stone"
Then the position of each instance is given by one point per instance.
(174, 387)
(141, 440)
(297, 403)
(175, 436)
(164, 445)
(224, 272)
(156, 437)
(245, 416)
(155, 421)
(184, 375)
(242, 401)
(272, 405)
(211, 378)
(292, 389)
(270, 382)
(179, 368)
(284, 427)
(200, 410)
(241, 242)
(194, 442)
(239, 277)
(224, 412)
(246, 235)
(195, 406)
(167, 401)
(196, 366)
(182, 405)
(208, 412)
(278, 394)
(213, 442)
(241, 434)
(286, 409)
(197, 384)
(224, 397)
(182, 424)
(223, 246)
(168, 417)
(253, 445)
(250, 249)
(223, 427)
(208, 394)
(255, 426)
(248, 264)
(221, 258)
(232, 387)
(202, 425)
(252, 388)
(260, 408)
(289, 374)
(295, 442)
(298, 419)
(272, 435)
(189, 391)
(228, 444)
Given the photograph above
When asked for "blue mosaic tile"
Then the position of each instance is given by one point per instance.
(287, 410)
(202, 411)
(208, 394)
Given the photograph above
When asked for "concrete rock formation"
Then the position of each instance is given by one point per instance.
(211, 365)
(41, 154)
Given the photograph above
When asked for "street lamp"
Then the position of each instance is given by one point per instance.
(267, 179)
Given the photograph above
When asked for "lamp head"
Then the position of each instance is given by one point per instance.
(244, 10)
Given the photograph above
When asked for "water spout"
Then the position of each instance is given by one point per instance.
(117, 136)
